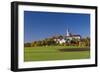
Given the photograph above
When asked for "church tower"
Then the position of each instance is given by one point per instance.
(67, 34)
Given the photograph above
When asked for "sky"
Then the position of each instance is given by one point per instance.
(40, 25)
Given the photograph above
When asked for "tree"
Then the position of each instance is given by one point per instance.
(39, 43)
(74, 42)
(86, 41)
(33, 44)
(27, 44)
(60, 37)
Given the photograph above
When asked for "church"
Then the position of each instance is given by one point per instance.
(68, 37)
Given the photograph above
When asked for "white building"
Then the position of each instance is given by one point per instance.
(68, 37)
(71, 36)
(62, 41)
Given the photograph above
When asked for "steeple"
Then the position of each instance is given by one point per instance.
(67, 34)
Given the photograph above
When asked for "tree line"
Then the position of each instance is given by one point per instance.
(51, 42)
(45, 42)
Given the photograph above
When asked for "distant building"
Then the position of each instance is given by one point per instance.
(67, 38)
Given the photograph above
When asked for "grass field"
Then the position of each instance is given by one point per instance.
(52, 53)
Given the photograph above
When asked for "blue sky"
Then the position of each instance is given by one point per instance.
(40, 25)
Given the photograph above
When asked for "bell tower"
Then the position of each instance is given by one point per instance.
(67, 33)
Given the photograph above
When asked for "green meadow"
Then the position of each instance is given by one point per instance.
(46, 53)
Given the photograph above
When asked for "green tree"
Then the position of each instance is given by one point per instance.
(33, 44)
(27, 45)
(86, 41)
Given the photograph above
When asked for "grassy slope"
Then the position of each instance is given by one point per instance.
(52, 53)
